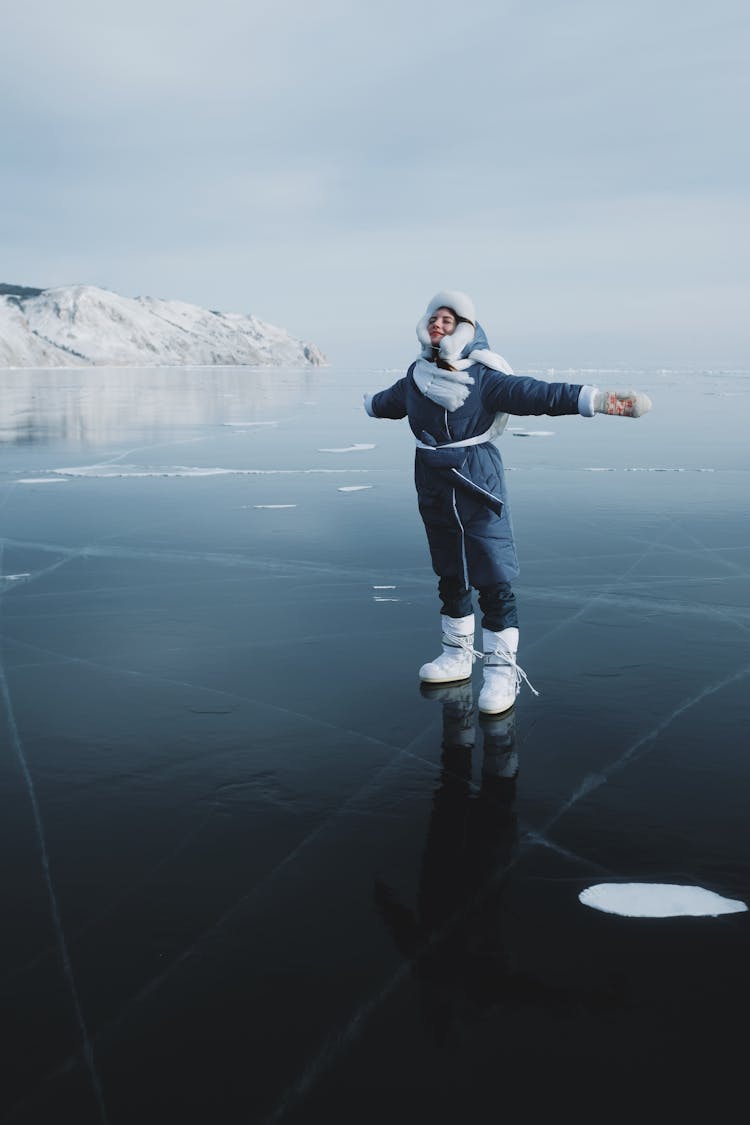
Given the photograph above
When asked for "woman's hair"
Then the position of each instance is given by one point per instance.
(437, 359)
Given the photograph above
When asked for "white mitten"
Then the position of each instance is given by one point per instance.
(628, 404)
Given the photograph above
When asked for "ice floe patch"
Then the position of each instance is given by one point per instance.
(643, 469)
(274, 505)
(381, 597)
(518, 431)
(658, 900)
(105, 472)
(356, 448)
(354, 487)
(14, 577)
(666, 469)
(40, 480)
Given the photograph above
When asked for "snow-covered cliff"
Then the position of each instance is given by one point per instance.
(82, 326)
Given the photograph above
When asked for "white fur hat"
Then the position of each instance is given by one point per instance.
(450, 346)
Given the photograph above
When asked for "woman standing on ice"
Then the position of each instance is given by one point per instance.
(457, 397)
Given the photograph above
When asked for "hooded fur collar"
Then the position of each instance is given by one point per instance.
(449, 389)
(450, 346)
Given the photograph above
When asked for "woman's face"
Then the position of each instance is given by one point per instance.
(441, 323)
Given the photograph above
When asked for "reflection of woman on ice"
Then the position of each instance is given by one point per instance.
(457, 396)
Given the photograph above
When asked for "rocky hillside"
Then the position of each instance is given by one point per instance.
(82, 326)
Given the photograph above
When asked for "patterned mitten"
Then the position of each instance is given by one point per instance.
(629, 404)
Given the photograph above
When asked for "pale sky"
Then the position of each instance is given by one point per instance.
(579, 167)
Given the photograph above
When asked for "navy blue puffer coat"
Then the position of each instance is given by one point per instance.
(461, 491)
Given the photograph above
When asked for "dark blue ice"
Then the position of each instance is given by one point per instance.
(251, 873)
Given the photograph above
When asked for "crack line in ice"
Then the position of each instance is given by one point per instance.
(335, 1044)
(639, 542)
(68, 659)
(126, 893)
(153, 985)
(711, 550)
(70, 554)
(365, 1010)
(338, 1041)
(62, 945)
(611, 589)
(534, 837)
(594, 781)
(292, 568)
(150, 445)
(399, 753)
(734, 614)
(113, 669)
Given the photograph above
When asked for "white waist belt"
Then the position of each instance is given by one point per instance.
(478, 440)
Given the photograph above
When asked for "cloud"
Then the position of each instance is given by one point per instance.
(573, 163)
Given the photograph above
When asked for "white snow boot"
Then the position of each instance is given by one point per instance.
(457, 657)
(502, 676)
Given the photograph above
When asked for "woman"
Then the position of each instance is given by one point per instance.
(457, 396)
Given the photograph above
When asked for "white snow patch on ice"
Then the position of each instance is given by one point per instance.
(14, 577)
(642, 469)
(384, 587)
(659, 469)
(658, 900)
(120, 470)
(274, 505)
(41, 480)
(349, 448)
(376, 599)
(354, 487)
(247, 424)
(103, 472)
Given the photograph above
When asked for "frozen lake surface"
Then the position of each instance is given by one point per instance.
(251, 873)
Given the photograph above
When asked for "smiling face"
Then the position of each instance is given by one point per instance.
(442, 323)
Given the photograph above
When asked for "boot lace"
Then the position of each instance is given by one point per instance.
(505, 655)
(459, 640)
